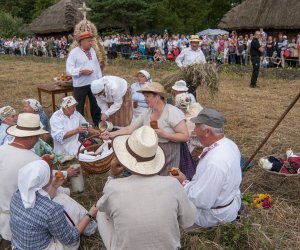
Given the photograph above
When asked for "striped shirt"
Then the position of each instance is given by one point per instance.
(34, 228)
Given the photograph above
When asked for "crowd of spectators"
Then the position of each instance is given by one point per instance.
(37, 46)
(280, 51)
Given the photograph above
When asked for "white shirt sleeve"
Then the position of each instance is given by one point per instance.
(57, 129)
(71, 69)
(102, 103)
(180, 58)
(118, 101)
(204, 191)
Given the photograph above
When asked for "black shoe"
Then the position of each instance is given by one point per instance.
(252, 86)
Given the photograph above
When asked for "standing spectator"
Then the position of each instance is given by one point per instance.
(292, 60)
(241, 50)
(160, 45)
(83, 66)
(192, 54)
(270, 47)
(255, 52)
(298, 47)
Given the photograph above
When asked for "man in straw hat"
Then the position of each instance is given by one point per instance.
(191, 55)
(8, 117)
(83, 66)
(167, 121)
(145, 210)
(215, 188)
(13, 157)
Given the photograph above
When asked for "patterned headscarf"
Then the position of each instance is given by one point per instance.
(6, 111)
(34, 104)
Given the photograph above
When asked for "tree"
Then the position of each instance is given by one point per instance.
(41, 5)
(129, 14)
(10, 26)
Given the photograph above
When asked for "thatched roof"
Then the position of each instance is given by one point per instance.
(58, 18)
(267, 14)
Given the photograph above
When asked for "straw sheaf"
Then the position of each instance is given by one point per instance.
(60, 17)
(268, 14)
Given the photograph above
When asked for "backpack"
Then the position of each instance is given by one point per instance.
(287, 53)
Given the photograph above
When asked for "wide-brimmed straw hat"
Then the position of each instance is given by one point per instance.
(27, 125)
(154, 87)
(180, 86)
(84, 35)
(139, 152)
(194, 38)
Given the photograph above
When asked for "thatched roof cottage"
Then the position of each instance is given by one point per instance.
(272, 15)
(59, 18)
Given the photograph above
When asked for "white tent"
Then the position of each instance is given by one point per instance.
(212, 32)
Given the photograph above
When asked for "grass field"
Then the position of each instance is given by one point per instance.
(249, 113)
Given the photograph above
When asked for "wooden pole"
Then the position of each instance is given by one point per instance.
(272, 130)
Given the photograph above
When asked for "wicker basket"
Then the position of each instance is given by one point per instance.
(277, 173)
(96, 167)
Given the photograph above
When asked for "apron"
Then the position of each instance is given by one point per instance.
(123, 116)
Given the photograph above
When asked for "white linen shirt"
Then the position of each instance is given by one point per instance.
(61, 124)
(4, 137)
(114, 92)
(77, 60)
(216, 183)
(188, 57)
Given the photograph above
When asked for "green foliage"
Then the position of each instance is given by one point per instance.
(41, 5)
(137, 16)
(10, 26)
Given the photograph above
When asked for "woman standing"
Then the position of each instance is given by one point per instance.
(167, 121)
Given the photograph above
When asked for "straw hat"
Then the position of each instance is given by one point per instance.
(27, 125)
(180, 86)
(84, 35)
(139, 152)
(194, 38)
(154, 87)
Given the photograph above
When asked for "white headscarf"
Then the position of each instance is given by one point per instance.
(31, 178)
(146, 74)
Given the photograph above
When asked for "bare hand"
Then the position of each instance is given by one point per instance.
(73, 172)
(57, 182)
(82, 129)
(93, 211)
(180, 177)
(105, 135)
(86, 72)
(104, 117)
(160, 132)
